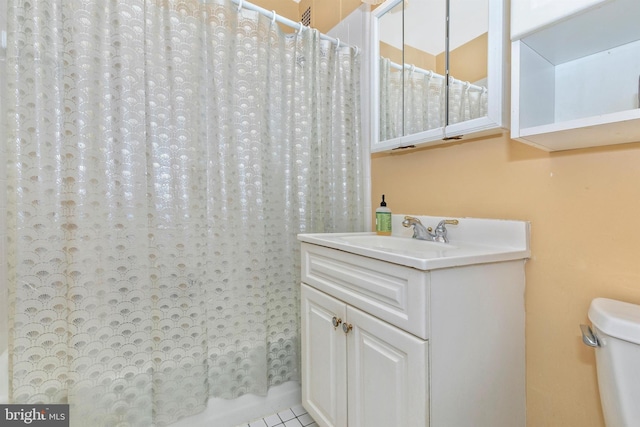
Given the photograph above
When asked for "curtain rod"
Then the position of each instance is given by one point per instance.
(288, 22)
(430, 73)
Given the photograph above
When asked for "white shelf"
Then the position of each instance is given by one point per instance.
(606, 26)
(575, 82)
(607, 129)
(528, 16)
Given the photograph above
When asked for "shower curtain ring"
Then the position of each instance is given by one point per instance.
(273, 17)
(301, 28)
(357, 49)
(337, 43)
(240, 5)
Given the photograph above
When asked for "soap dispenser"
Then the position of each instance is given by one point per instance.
(383, 219)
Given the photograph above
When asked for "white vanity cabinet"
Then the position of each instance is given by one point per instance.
(384, 367)
(575, 73)
(437, 346)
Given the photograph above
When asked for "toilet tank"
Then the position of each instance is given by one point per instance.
(617, 327)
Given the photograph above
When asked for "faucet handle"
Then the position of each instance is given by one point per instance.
(409, 221)
(441, 224)
(441, 230)
(410, 218)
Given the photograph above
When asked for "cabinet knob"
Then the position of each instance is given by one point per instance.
(336, 321)
(346, 327)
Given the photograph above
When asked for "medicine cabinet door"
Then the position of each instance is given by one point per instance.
(468, 54)
(478, 68)
(424, 68)
(408, 72)
(391, 78)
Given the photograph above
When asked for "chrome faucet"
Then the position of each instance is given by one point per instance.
(422, 233)
(419, 232)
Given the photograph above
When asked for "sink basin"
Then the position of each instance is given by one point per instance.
(401, 245)
(473, 241)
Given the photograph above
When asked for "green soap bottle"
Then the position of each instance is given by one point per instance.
(383, 219)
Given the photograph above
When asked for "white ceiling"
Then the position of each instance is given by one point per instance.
(425, 24)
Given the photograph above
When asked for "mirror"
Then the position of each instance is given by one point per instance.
(424, 69)
(429, 87)
(391, 73)
(468, 56)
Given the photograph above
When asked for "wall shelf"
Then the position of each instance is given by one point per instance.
(575, 81)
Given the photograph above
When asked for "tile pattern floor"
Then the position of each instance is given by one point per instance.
(292, 417)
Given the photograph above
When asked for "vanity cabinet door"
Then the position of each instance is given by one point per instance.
(324, 365)
(388, 374)
(359, 371)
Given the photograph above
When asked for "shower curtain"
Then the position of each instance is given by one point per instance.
(162, 157)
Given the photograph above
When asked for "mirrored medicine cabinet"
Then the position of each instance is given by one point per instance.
(439, 71)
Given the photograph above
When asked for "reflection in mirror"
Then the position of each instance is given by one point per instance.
(424, 99)
(468, 55)
(424, 84)
(391, 79)
(413, 65)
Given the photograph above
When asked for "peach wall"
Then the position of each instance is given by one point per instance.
(412, 55)
(286, 8)
(325, 14)
(467, 62)
(583, 206)
(393, 53)
(419, 58)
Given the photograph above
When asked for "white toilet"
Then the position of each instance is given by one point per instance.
(616, 336)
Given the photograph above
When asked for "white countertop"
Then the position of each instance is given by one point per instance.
(472, 241)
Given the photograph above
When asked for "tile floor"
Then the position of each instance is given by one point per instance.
(292, 417)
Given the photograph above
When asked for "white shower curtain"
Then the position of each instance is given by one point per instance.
(162, 157)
